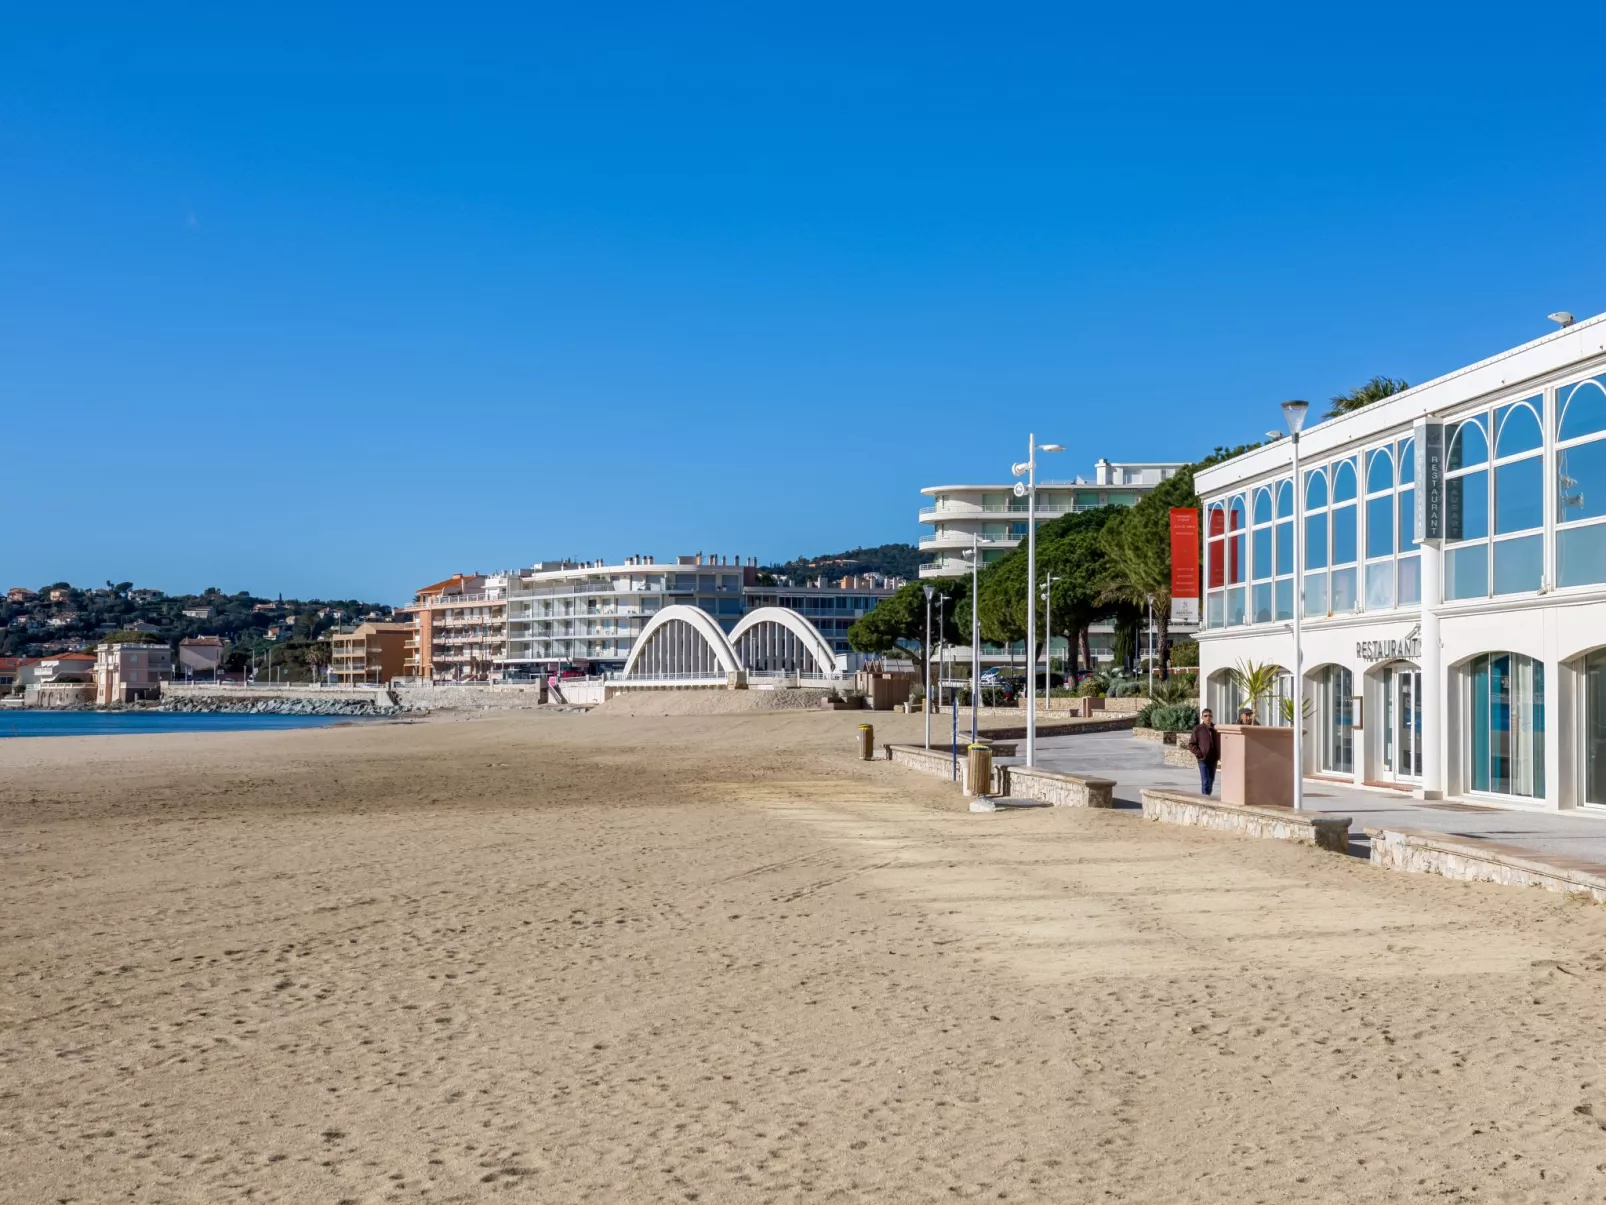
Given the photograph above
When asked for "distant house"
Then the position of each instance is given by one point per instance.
(139, 625)
(130, 670)
(143, 595)
(200, 656)
(55, 667)
(198, 612)
(65, 619)
(21, 594)
(264, 608)
(60, 594)
(8, 673)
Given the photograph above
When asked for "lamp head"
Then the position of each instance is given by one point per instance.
(1020, 470)
(1294, 414)
(1050, 447)
(1561, 318)
(930, 590)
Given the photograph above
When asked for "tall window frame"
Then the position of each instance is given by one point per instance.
(1580, 484)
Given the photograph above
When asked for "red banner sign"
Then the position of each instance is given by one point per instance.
(1184, 552)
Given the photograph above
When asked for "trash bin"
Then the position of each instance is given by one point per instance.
(979, 770)
(866, 742)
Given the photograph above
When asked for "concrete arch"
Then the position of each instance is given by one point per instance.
(778, 639)
(681, 641)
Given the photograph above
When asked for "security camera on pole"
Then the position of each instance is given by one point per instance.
(1028, 490)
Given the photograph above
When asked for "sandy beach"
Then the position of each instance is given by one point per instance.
(619, 958)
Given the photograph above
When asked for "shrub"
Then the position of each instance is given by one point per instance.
(1091, 688)
(1179, 718)
(1145, 716)
(1173, 690)
(1128, 688)
(1185, 655)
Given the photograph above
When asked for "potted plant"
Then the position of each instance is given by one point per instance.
(1257, 760)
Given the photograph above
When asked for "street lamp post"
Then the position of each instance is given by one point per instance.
(1294, 416)
(925, 703)
(1028, 469)
(975, 634)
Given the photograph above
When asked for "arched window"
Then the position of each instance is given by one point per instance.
(1506, 725)
(1261, 565)
(1215, 565)
(1237, 559)
(1283, 540)
(1466, 512)
(1408, 565)
(1380, 529)
(1315, 568)
(1581, 483)
(1345, 532)
(1519, 498)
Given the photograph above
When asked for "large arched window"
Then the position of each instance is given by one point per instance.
(1408, 566)
(1466, 511)
(1581, 483)
(1315, 568)
(1261, 567)
(1215, 564)
(1519, 498)
(1506, 725)
(1380, 529)
(1346, 531)
(1237, 558)
(1283, 540)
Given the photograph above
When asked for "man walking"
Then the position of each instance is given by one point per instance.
(1205, 744)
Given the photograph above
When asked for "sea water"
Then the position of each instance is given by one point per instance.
(118, 723)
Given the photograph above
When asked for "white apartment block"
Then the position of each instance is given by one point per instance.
(587, 614)
(994, 519)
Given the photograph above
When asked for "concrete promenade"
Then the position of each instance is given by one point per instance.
(1136, 765)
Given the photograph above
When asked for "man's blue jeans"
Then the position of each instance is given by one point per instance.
(1207, 777)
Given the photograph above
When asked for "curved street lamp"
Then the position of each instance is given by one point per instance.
(1028, 469)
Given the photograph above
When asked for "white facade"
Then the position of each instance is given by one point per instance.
(1476, 669)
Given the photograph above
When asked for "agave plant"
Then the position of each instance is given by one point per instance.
(1173, 691)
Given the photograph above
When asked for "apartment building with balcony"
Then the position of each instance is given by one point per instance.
(587, 614)
(459, 628)
(370, 652)
(995, 519)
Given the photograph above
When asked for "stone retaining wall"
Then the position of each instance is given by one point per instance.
(928, 761)
(1174, 807)
(1158, 737)
(470, 697)
(1179, 758)
(1484, 862)
(1059, 727)
(1061, 790)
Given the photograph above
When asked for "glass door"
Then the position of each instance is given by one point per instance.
(1402, 722)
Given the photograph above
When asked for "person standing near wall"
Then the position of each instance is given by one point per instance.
(1205, 744)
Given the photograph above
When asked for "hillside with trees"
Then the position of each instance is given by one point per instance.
(60, 617)
(890, 560)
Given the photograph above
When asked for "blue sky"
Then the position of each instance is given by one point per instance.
(339, 303)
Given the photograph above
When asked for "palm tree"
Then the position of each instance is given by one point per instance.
(1374, 390)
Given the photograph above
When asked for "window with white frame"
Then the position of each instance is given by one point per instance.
(1346, 532)
(1237, 558)
(1260, 558)
(1393, 560)
(1315, 568)
(1226, 562)
(1494, 503)
(1581, 483)
(1283, 542)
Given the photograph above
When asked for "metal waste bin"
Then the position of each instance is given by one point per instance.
(866, 742)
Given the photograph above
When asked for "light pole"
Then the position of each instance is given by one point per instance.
(1294, 416)
(975, 633)
(1048, 627)
(926, 702)
(1028, 469)
(942, 645)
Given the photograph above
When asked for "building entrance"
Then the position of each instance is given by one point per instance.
(1402, 723)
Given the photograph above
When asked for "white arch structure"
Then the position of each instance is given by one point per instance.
(681, 642)
(685, 642)
(779, 640)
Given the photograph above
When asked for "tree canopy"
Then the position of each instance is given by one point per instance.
(1374, 390)
(898, 623)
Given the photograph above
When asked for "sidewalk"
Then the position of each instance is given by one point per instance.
(1136, 764)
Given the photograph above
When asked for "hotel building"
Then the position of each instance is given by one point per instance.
(566, 614)
(993, 520)
(1470, 666)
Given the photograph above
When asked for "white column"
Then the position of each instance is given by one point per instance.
(1435, 686)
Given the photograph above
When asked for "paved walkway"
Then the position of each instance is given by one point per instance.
(1136, 764)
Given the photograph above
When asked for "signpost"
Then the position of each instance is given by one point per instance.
(1184, 564)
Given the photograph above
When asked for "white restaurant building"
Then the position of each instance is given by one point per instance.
(1474, 669)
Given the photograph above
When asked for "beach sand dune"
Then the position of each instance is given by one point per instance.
(617, 959)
